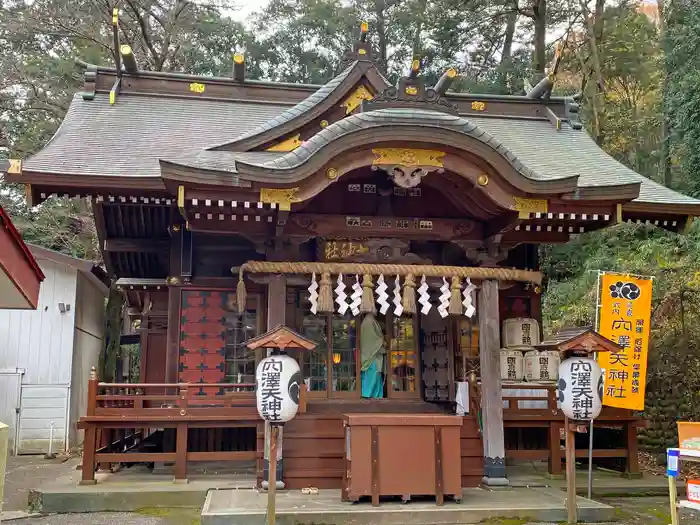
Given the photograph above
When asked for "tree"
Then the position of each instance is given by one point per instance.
(665, 157)
(39, 43)
(631, 73)
(682, 63)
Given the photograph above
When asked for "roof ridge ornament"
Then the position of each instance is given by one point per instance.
(543, 89)
(412, 93)
(361, 50)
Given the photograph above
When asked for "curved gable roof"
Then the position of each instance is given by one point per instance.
(408, 124)
(309, 109)
(541, 154)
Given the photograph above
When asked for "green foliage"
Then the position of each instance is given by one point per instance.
(682, 61)
(673, 379)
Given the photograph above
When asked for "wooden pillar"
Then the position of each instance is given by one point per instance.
(172, 349)
(570, 445)
(276, 309)
(90, 440)
(181, 454)
(491, 396)
(632, 463)
(554, 441)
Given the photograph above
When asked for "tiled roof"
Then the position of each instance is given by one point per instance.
(128, 138)
(303, 107)
(564, 335)
(568, 152)
(408, 118)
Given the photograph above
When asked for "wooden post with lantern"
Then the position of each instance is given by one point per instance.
(279, 389)
(580, 394)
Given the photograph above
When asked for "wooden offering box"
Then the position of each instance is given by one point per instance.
(402, 455)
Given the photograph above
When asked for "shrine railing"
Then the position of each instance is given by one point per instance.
(532, 405)
(122, 417)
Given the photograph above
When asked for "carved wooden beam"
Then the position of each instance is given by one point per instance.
(501, 224)
(128, 57)
(316, 225)
(238, 67)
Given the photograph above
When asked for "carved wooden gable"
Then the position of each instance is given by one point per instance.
(373, 193)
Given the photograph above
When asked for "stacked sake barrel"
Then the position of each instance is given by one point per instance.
(519, 358)
(520, 336)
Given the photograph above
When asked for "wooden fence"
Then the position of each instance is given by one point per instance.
(121, 416)
(532, 405)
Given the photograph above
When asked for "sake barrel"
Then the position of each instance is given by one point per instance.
(521, 331)
(542, 366)
(512, 365)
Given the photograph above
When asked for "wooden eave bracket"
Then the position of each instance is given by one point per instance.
(553, 118)
(115, 89)
(117, 56)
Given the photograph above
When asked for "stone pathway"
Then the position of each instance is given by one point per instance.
(631, 511)
(27, 472)
(147, 517)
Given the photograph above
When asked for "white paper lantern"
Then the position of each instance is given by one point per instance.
(580, 388)
(278, 385)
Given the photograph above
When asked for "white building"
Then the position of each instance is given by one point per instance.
(46, 354)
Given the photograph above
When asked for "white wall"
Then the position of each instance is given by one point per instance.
(10, 384)
(40, 406)
(41, 342)
(89, 340)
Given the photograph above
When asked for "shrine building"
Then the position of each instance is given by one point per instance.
(394, 226)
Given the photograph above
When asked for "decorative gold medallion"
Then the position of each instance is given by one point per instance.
(478, 106)
(196, 87)
(411, 90)
(355, 99)
(482, 179)
(324, 124)
(289, 144)
(282, 197)
(332, 173)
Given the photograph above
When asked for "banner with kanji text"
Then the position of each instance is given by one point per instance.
(624, 318)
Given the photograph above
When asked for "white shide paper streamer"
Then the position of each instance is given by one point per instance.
(424, 297)
(313, 294)
(382, 296)
(398, 307)
(340, 295)
(356, 297)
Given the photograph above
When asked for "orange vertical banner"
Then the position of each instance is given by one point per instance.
(625, 316)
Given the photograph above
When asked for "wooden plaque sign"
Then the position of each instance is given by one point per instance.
(340, 250)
